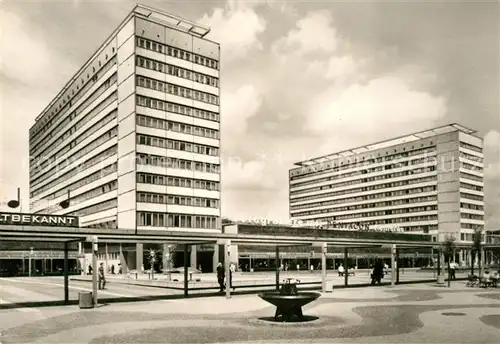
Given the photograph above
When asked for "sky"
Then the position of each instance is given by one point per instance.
(299, 79)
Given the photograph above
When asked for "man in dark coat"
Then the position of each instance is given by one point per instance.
(378, 272)
(220, 276)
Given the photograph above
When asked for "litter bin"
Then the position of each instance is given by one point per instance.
(329, 286)
(85, 300)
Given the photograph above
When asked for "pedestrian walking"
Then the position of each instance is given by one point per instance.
(220, 276)
(102, 278)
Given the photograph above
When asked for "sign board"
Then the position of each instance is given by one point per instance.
(23, 219)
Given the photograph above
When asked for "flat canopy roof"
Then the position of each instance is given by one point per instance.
(269, 237)
(387, 143)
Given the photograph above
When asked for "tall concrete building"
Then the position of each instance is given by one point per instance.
(425, 182)
(134, 135)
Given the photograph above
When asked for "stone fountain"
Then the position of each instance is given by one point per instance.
(288, 300)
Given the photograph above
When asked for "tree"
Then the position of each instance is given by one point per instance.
(448, 249)
(154, 256)
(476, 250)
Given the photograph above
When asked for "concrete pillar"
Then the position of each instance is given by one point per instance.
(215, 258)
(324, 251)
(393, 265)
(227, 259)
(277, 268)
(194, 256)
(346, 269)
(139, 257)
(186, 255)
(66, 273)
(94, 270)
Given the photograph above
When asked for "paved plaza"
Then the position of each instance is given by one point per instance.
(417, 313)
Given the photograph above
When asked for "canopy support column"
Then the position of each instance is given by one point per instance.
(66, 273)
(186, 256)
(324, 250)
(227, 255)
(346, 266)
(393, 265)
(278, 268)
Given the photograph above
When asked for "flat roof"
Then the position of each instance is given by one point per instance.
(387, 143)
(172, 20)
(71, 234)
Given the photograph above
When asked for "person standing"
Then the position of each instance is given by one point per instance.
(102, 279)
(220, 276)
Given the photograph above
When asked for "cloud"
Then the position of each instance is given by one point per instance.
(238, 174)
(492, 140)
(382, 107)
(313, 33)
(19, 45)
(238, 107)
(237, 28)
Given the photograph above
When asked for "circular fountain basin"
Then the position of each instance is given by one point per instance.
(288, 306)
(279, 300)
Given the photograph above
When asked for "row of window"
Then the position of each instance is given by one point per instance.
(69, 160)
(471, 167)
(177, 127)
(177, 53)
(176, 71)
(176, 220)
(106, 205)
(167, 162)
(471, 206)
(82, 182)
(365, 189)
(364, 214)
(177, 145)
(157, 179)
(176, 90)
(74, 171)
(382, 221)
(471, 187)
(472, 216)
(146, 197)
(370, 196)
(363, 206)
(365, 180)
(161, 105)
(471, 226)
(98, 191)
(67, 127)
(44, 161)
(358, 160)
(45, 123)
(471, 177)
(471, 196)
(471, 157)
(352, 173)
(471, 147)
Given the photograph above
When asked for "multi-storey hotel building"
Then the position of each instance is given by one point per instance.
(426, 182)
(133, 137)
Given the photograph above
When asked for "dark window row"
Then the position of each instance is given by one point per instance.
(177, 53)
(176, 108)
(157, 179)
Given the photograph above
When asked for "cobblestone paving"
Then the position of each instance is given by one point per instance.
(406, 314)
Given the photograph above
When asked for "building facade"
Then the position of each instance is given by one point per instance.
(426, 182)
(132, 140)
